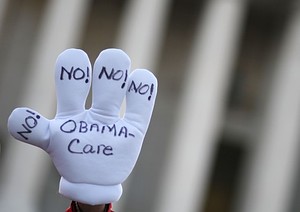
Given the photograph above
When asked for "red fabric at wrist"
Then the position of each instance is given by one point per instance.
(110, 208)
(72, 208)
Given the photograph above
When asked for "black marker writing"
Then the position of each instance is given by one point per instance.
(71, 126)
(151, 92)
(76, 147)
(30, 122)
(113, 75)
(77, 74)
(124, 83)
(141, 88)
(87, 75)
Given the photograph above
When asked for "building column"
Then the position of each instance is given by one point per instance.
(3, 6)
(142, 29)
(200, 113)
(272, 168)
(25, 166)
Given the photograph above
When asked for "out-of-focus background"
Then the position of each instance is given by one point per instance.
(224, 133)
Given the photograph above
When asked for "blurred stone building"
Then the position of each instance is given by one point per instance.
(224, 133)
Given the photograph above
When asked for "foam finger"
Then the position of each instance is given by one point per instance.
(140, 98)
(30, 127)
(73, 79)
(110, 75)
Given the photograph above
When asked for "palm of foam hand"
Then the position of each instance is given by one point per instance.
(93, 150)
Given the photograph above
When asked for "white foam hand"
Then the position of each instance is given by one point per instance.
(94, 150)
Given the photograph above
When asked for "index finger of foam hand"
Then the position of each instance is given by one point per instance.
(109, 84)
(72, 79)
(140, 98)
